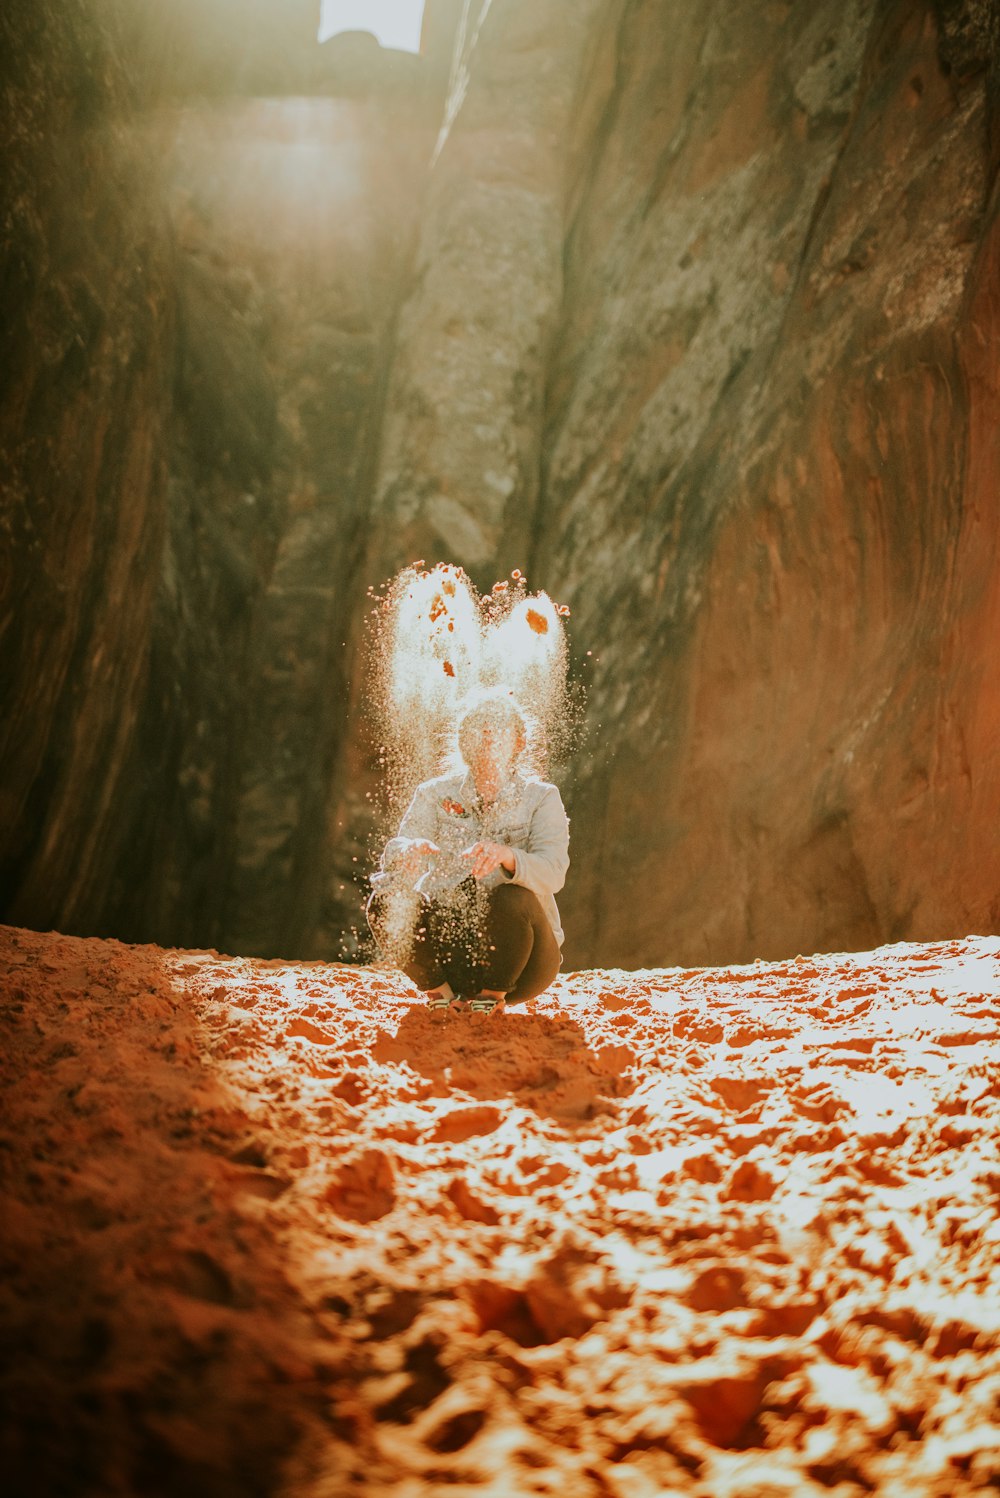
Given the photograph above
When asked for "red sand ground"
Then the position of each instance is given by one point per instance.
(269, 1229)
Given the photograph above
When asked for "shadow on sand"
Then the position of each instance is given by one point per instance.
(542, 1062)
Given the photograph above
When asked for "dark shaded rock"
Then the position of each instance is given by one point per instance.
(86, 281)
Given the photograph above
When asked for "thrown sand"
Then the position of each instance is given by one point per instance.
(269, 1229)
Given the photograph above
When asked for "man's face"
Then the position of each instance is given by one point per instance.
(491, 750)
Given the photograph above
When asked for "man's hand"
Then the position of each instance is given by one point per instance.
(411, 859)
(485, 857)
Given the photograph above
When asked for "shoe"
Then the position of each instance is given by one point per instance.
(485, 1003)
(438, 1004)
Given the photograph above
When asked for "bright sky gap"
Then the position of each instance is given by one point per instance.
(396, 23)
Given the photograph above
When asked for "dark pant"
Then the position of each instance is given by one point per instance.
(497, 939)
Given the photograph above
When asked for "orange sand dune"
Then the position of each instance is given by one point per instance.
(268, 1229)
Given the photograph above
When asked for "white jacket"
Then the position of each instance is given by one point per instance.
(528, 816)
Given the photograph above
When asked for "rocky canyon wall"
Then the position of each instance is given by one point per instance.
(788, 521)
(249, 203)
(294, 219)
(87, 333)
(690, 312)
(767, 419)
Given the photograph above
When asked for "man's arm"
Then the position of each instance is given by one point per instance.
(542, 865)
(416, 832)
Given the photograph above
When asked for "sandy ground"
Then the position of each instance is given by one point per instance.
(269, 1229)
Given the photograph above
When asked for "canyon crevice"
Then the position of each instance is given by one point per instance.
(690, 313)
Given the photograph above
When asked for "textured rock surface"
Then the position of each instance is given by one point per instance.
(283, 325)
(694, 318)
(270, 1229)
(87, 330)
(460, 461)
(810, 749)
(762, 476)
(206, 341)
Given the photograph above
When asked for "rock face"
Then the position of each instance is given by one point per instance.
(801, 583)
(761, 471)
(284, 317)
(183, 608)
(691, 313)
(85, 367)
(460, 462)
